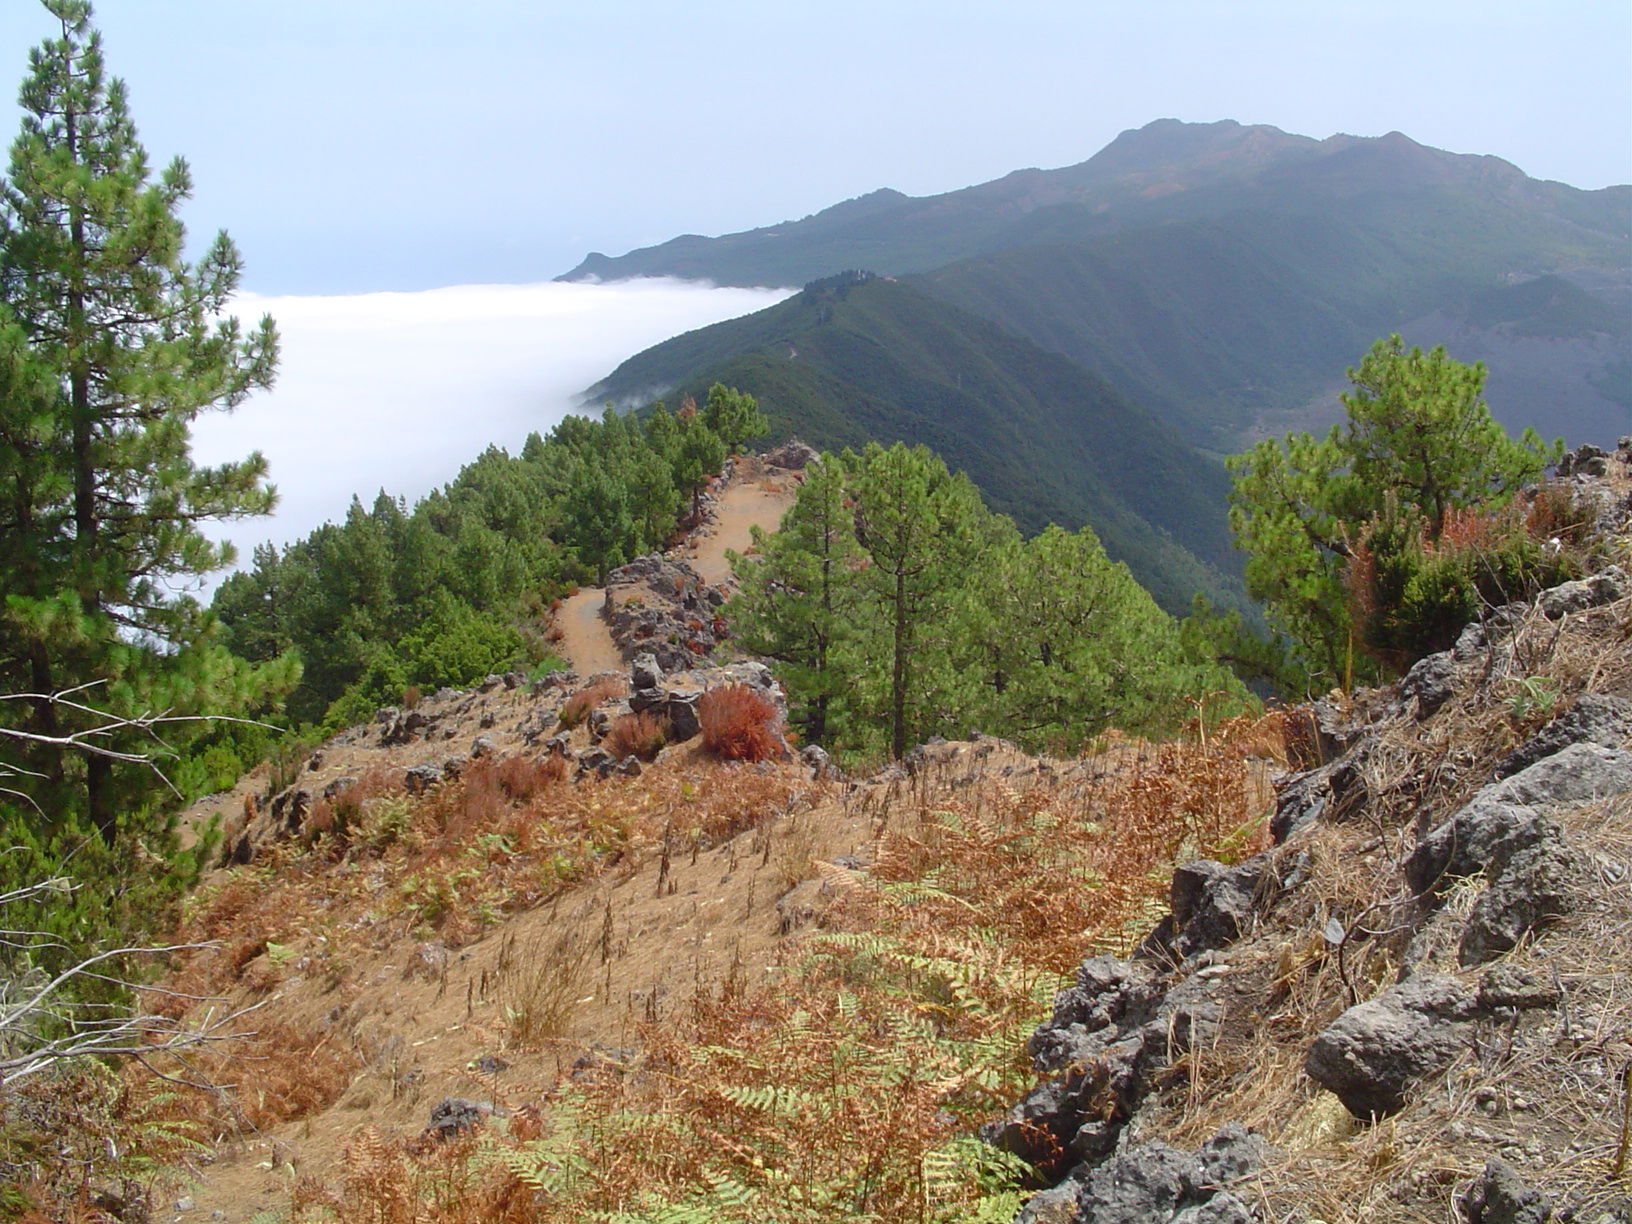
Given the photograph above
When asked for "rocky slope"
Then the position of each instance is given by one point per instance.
(1418, 1004)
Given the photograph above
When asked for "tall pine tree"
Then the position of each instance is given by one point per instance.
(131, 339)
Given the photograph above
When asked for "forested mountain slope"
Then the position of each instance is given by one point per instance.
(857, 358)
(1224, 276)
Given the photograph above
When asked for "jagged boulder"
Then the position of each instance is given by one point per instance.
(1539, 884)
(1373, 1054)
(1606, 586)
(793, 454)
(1212, 905)
(1110, 1036)
(1502, 820)
(1500, 1196)
(1430, 683)
(1155, 1183)
(1594, 719)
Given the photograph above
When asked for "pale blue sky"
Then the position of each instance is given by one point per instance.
(353, 145)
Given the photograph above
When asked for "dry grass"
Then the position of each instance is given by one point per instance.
(593, 695)
(1545, 1089)
(839, 1088)
(540, 985)
(639, 735)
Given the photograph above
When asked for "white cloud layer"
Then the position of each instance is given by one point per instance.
(399, 390)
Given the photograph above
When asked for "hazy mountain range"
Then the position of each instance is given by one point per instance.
(1085, 341)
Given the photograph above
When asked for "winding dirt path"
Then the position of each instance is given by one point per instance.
(586, 641)
(752, 500)
(743, 506)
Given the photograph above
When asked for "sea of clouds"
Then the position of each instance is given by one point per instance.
(397, 391)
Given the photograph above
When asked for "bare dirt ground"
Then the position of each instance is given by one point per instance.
(586, 642)
(752, 500)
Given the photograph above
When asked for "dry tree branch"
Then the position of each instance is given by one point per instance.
(25, 1052)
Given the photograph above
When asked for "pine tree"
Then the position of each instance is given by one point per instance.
(919, 528)
(1417, 436)
(131, 337)
(797, 601)
(734, 415)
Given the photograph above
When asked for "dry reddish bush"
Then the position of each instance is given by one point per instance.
(278, 1072)
(739, 724)
(640, 735)
(522, 778)
(579, 705)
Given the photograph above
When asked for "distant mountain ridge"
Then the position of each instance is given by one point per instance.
(1213, 281)
(1164, 171)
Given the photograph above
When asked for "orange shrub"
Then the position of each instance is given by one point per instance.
(587, 698)
(739, 724)
(640, 735)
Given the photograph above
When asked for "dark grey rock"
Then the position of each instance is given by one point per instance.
(1229, 1155)
(420, 778)
(1594, 719)
(1144, 1185)
(483, 746)
(1330, 793)
(644, 673)
(1056, 1205)
(452, 1116)
(816, 758)
(1430, 683)
(336, 785)
(1213, 905)
(1374, 1053)
(1505, 986)
(1577, 773)
(1537, 886)
(680, 708)
(596, 760)
(455, 766)
(1500, 1196)
(794, 455)
(1222, 1208)
(1606, 586)
(1483, 836)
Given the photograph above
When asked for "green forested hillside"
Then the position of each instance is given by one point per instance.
(1221, 275)
(858, 358)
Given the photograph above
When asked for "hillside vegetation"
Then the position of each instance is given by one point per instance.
(857, 358)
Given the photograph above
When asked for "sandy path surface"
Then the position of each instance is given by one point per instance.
(586, 641)
(744, 505)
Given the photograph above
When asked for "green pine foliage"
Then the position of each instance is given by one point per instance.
(452, 589)
(900, 607)
(1418, 449)
(111, 345)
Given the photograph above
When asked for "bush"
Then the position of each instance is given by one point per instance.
(739, 724)
(641, 735)
(1410, 595)
(579, 705)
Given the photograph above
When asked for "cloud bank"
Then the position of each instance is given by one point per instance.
(399, 390)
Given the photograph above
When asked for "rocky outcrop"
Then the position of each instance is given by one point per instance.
(1375, 1052)
(1123, 1033)
(662, 607)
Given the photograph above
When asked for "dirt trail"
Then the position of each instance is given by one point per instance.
(748, 502)
(586, 641)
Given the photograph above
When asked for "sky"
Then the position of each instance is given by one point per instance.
(361, 145)
(366, 155)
